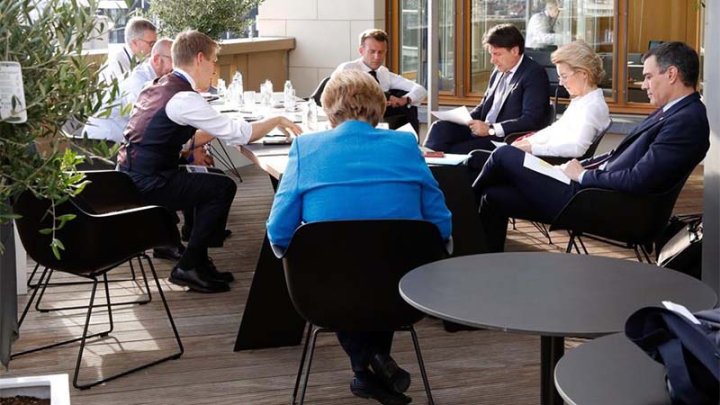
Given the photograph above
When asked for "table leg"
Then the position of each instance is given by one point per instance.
(270, 319)
(551, 350)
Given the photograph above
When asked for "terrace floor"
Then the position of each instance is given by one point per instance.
(479, 367)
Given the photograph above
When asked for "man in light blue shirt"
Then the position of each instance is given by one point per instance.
(112, 127)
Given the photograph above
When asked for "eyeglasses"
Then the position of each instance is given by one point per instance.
(166, 56)
(150, 43)
(565, 77)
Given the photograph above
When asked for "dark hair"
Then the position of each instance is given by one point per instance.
(504, 36)
(680, 55)
(374, 33)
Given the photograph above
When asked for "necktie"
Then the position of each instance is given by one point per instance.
(498, 97)
(373, 73)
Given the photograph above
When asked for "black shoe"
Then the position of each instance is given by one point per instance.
(185, 235)
(173, 253)
(196, 282)
(389, 373)
(370, 387)
(212, 272)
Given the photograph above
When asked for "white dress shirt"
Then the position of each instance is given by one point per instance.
(574, 132)
(540, 32)
(190, 108)
(119, 65)
(112, 127)
(389, 80)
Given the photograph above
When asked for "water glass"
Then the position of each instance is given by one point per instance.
(249, 97)
(289, 100)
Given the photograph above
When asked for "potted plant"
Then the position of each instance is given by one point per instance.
(45, 39)
(212, 17)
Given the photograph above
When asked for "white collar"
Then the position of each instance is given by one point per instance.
(186, 75)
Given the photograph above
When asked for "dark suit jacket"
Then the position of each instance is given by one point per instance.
(526, 106)
(658, 153)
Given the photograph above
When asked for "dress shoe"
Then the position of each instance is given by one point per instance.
(368, 386)
(195, 281)
(389, 373)
(212, 272)
(185, 236)
(173, 253)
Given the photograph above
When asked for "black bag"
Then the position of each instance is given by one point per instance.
(679, 247)
(690, 352)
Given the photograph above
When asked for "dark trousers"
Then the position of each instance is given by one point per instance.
(207, 196)
(361, 346)
(399, 116)
(449, 137)
(505, 188)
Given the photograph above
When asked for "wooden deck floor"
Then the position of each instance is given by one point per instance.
(482, 367)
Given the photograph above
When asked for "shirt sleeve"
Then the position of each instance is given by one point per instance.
(190, 108)
(416, 92)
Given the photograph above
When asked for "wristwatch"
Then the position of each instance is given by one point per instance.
(491, 131)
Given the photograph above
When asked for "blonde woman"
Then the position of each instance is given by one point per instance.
(580, 71)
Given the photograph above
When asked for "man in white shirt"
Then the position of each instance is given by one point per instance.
(541, 28)
(403, 95)
(112, 127)
(140, 37)
(166, 116)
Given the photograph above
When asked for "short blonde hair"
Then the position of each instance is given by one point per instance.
(353, 95)
(579, 56)
(188, 44)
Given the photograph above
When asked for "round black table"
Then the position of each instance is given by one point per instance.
(548, 294)
(610, 370)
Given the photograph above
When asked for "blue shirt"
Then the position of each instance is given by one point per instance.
(355, 171)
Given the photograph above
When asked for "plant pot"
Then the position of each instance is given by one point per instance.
(53, 387)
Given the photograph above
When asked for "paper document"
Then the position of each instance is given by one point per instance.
(681, 310)
(536, 164)
(460, 115)
(408, 128)
(449, 159)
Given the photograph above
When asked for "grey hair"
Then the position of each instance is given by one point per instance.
(136, 27)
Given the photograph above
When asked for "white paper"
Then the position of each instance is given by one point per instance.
(12, 91)
(408, 128)
(536, 164)
(681, 310)
(460, 115)
(449, 159)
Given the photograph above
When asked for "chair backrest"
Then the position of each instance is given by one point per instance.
(317, 94)
(629, 218)
(344, 275)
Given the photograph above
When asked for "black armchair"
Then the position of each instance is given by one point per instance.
(317, 93)
(94, 244)
(344, 275)
(621, 219)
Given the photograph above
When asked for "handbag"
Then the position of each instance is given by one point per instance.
(679, 247)
(690, 352)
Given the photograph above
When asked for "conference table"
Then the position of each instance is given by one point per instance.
(269, 318)
(553, 295)
(610, 370)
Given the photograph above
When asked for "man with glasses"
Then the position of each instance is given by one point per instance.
(140, 37)
(111, 128)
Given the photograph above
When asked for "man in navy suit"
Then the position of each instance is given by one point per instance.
(516, 100)
(654, 157)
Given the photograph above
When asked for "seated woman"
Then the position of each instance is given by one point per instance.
(355, 171)
(580, 70)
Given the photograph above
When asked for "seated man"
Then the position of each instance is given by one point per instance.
(140, 37)
(111, 128)
(166, 115)
(388, 178)
(541, 28)
(653, 158)
(403, 96)
(517, 98)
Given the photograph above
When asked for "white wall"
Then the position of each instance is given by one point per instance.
(325, 32)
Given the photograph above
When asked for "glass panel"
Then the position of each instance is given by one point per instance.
(413, 46)
(595, 24)
(651, 23)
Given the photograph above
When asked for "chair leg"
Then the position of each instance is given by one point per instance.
(32, 297)
(309, 364)
(646, 254)
(582, 244)
(29, 282)
(302, 363)
(571, 243)
(421, 365)
(109, 305)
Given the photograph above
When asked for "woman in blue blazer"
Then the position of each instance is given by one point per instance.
(355, 171)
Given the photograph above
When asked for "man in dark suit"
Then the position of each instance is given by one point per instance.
(516, 100)
(654, 157)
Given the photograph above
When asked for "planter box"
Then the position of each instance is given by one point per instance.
(54, 387)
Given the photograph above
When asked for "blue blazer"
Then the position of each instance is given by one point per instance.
(526, 108)
(355, 171)
(658, 153)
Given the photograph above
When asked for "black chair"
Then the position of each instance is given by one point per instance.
(107, 191)
(626, 220)
(317, 93)
(344, 275)
(94, 244)
(542, 58)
